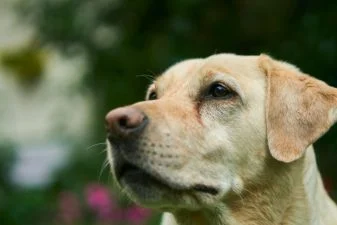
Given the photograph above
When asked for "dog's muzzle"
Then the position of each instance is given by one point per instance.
(124, 130)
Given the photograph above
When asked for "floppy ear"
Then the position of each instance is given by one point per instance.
(299, 109)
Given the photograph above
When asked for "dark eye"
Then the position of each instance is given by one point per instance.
(220, 91)
(153, 95)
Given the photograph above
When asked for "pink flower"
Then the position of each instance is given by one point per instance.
(98, 197)
(69, 210)
(137, 215)
(101, 203)
(106, 210)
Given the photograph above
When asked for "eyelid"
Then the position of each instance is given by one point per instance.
(228, 82)
(206, 92)
(149, 94)
(221, 82)
(151, 89)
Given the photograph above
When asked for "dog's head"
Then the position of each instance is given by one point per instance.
(210, 127)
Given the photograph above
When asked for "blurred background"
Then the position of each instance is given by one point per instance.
(65, 63)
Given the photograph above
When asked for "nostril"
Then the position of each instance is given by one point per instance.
(123, 122)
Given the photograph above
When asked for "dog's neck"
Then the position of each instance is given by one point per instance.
(291, 198)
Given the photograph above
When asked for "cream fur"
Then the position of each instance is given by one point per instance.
(241, 146)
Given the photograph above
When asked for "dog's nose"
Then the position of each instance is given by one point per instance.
(125, 121)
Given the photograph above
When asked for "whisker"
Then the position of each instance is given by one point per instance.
(111, 182)
(103, 151)
(95, 145)
(151, 72)
(147, 76)
(103, 167)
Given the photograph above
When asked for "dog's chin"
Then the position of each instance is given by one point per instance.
(144, 188)
(151, 187)
(155, 192)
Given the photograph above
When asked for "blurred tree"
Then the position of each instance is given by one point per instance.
(27, 64)
(128, 38)
(124, 39)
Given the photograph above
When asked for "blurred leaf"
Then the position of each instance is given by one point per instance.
(26, 64)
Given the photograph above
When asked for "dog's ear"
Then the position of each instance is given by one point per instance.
(299, 109)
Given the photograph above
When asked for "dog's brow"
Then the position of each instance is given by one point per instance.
(230, 82)
(152, 87)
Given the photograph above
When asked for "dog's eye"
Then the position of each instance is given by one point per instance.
(153, 95)
(220, 91)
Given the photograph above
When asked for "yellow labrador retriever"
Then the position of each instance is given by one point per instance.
(226, 140)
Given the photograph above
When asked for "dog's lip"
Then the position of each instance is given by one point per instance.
(205, 189)
(127, 167)
(131, 173)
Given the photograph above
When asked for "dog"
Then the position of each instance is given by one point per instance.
(226, 140)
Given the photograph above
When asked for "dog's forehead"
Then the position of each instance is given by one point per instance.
(241, 68)
(234, 65)
(181, 71)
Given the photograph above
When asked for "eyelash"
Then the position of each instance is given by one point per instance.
(219, 91)
(216, 90)
(152, 95)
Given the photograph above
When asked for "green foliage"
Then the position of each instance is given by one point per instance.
(154, 34)
(26, 64)
(147, 36)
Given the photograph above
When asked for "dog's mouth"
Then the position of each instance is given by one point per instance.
(130, 173)
(128, 168)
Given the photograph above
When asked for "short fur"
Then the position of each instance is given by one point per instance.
(254, 148)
